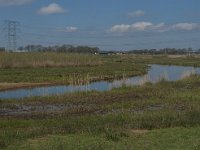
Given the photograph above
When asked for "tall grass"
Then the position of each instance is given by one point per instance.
(188, 73)
(46, 59)
(64, 68)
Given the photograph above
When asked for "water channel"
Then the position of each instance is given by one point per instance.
(155, 73)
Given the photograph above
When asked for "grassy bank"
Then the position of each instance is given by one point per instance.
(71, 74)
(161, 116)
(64, 68)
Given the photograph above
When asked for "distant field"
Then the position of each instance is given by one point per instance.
(46, 59)
(53, 59)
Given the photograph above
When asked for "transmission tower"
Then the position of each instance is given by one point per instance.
(11, 28)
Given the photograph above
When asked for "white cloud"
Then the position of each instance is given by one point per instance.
(137, 13)
(138, 26)
(13, 2)
(141, 26)
(51, 9)
(185, 26)
(71, 29)
(161, 27)
(148, 26)
(120, 28)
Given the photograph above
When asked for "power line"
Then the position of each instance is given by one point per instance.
(11, 29)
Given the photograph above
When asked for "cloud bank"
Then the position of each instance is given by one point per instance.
(149, 26)
(185, 26)
(138, 26)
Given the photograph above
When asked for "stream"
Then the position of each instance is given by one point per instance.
(154, 74)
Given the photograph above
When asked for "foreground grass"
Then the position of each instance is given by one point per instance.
(161, 116)
(171, 138)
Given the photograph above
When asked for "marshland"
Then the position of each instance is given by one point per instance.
(99, 75)
(150, 115)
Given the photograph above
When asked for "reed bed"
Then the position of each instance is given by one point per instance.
(71, 68)
(46, 59)
(187, 74)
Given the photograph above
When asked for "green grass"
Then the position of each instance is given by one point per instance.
(171, 138)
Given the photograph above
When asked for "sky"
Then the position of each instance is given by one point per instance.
(107, 24)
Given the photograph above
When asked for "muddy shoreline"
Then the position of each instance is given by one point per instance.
(14, 86)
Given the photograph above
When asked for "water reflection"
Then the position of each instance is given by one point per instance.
(156, 73)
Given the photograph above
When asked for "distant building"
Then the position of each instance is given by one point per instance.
(107, 53)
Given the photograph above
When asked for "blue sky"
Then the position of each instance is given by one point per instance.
(108, 24)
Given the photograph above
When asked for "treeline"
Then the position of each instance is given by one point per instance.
(165, 51)
(63, 48)
(2, 49)
(96, 50)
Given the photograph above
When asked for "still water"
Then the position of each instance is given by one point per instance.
(155, 73)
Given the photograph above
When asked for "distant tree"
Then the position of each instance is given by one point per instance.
(2, 49)
(162, 51)
(62, 48)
